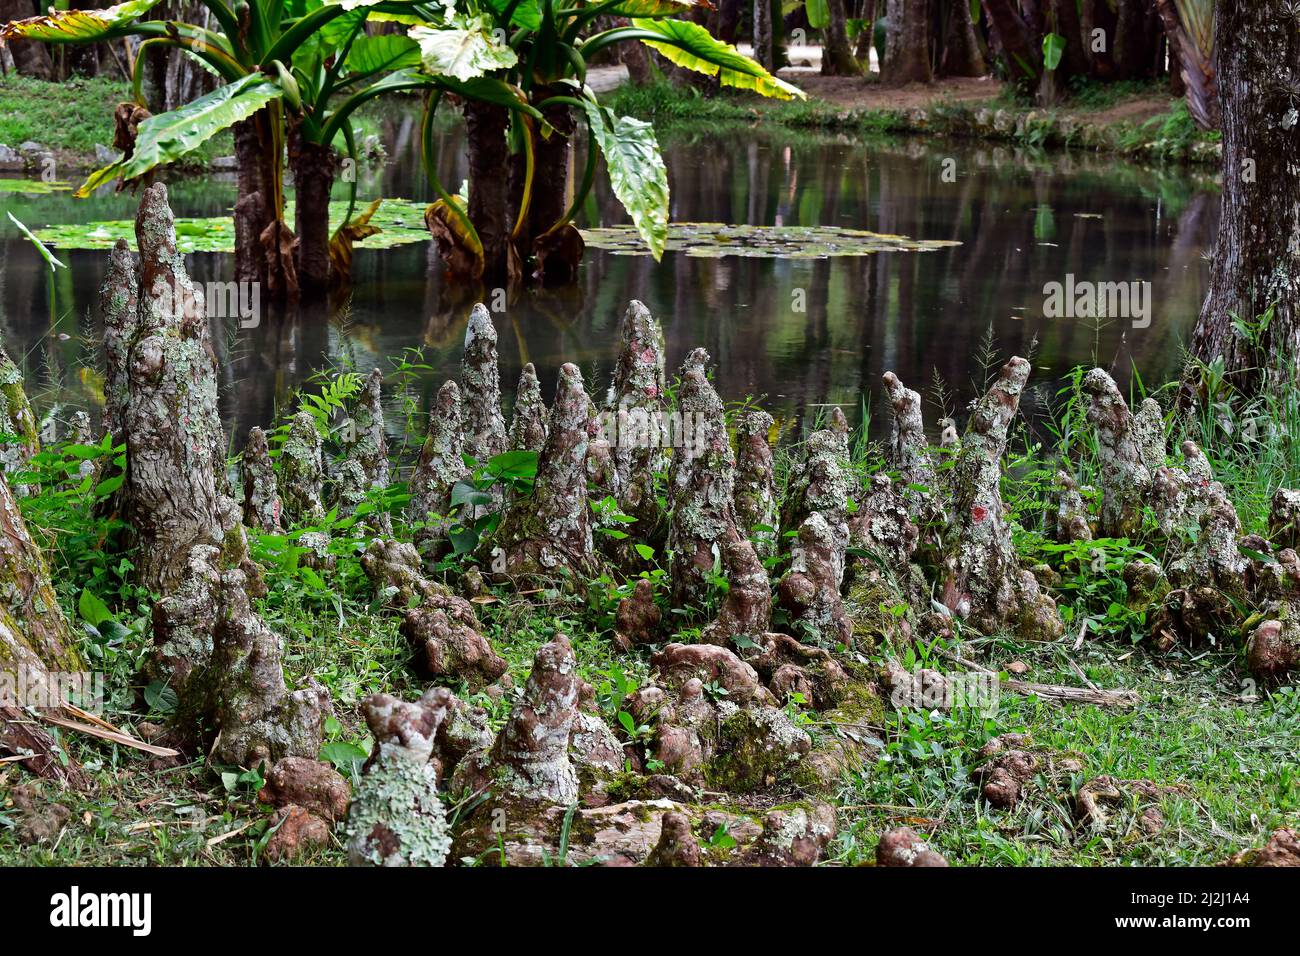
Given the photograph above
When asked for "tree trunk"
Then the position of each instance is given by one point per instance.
(1255, 260)
(255, 197)
(264, 244)
(552, 174)
(865, 39)
(1135, 35)
(837, 54)
(1095, 16)
(961, 50)
(171, 76)
(1023, 62)
(17, 420)
(635, 56)
(154, 77)
(313, 178)
(764, 46)
(1192, 59)
(907, 47)
(555, 254)
(725, 20)
(489, 185)
(29, 595)
(30, 58)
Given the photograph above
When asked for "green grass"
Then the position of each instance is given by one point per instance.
(1170, 136)
(1086, 94)
(1225, 759)
(666, 104)
(74, 115)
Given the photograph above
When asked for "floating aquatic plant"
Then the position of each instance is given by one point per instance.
(32, 187)
(399, 220)
(714, 239)
(402, 221)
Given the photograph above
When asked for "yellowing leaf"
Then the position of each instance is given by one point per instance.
(654, 8)
(388, 51)
(340, 248)
(75, 26)
(692, 47)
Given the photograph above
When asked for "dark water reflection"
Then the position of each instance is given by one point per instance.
(1023, 221)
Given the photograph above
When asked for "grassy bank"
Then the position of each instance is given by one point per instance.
(74, 116)
(70, 117)
(1084, 124)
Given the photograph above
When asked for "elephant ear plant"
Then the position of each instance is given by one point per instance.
(517, 220)
(292, 72)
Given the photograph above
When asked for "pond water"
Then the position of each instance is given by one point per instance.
(801, 332)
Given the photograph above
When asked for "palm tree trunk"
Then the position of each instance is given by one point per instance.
(1135, 36)
(489, 185)
(1064, 18)
(313, 178)
(1191, 53)
(1095, 15)
(254, 200)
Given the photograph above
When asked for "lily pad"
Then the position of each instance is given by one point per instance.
(400, 221)
(32, 187)
(713, 240)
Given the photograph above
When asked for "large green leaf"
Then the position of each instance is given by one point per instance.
(309, 55)
(389, 51)
(527, 13)
(405, 19)
(691, 46)
(462, 51)
(636, 171)
(819, 13)
(48, 256)
(1053, 50)
(167, 137)
(655, 8)
(75, 26)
